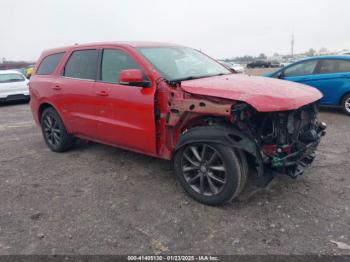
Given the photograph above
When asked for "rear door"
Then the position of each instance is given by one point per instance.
(333, 79)
(75, 92)
(125, 112)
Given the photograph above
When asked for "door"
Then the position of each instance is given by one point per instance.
(75, 92)
(333, 79)
(125, 113)
(301, 72)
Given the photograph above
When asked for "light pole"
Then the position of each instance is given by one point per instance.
(292, 45)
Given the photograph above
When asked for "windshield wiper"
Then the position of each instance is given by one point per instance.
(186, 78)
(179, 80)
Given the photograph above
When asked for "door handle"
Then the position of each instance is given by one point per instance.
(56, 87)
(102, 93)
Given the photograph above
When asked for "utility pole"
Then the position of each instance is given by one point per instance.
(292, 45)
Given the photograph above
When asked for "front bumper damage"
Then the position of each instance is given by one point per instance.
(295, 163)
(286, 141)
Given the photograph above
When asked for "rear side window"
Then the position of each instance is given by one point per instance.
(343, 66)
(82, 64)
(49, 64)
(330, 66)
(114, 61)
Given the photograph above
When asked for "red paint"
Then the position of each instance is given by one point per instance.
(150, 120)
(131, 76)
(264, 94)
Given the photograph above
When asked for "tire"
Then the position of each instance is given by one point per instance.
(54, 132)
(221, 174)
(244, 170)
(345, 104)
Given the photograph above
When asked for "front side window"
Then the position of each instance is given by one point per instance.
(304, 68)
(49, 64)
(114, 61)
(82, 64)
(177, 63)
(11, 77)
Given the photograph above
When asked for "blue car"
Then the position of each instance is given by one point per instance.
(329, 74)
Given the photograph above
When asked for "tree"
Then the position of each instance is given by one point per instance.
(311, 52)
(323, 50)
(262, 56)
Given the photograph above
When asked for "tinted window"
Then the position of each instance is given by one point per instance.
(114, 61)
(49, 64)
(327, 66)
(7, 78)
(333, 66)
(343, 66)
(305, 68)
(82, 64)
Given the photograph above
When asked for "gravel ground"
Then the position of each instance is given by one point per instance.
(97, 199)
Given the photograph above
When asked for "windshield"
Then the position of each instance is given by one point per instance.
(13, 77)
(180, 63)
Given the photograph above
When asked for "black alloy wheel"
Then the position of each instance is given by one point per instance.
(210, 173)
(54, 131)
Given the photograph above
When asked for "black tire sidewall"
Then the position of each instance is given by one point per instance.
(232, 186)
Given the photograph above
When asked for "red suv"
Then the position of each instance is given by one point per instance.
(174, 102)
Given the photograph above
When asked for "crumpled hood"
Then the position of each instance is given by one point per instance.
(264, 94)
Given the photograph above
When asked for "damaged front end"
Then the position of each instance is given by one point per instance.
(286, 141)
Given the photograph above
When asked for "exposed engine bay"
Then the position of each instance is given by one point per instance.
(286, 140)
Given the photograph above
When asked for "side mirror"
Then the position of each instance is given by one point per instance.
(133, 77)
(280, 75)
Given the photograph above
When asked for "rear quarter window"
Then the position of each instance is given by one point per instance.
(49, 64)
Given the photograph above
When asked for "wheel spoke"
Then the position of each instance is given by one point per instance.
(195, 153)
(49, 120)
(218, 168)
(193, 179)
(201, 184)
(204, 149)
(213, 156)
(56, 130)
(46, 123)
(57, 138)
(219, 180)
(189, 168)
(212, 187)
(191, 161)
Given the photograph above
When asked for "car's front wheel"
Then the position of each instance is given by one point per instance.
(210, 173)
(346, 104)
(54, 132)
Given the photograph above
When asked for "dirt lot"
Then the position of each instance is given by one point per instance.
(97, 199)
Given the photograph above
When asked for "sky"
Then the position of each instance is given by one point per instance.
(220, 28)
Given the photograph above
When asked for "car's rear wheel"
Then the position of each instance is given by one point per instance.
(346, 104)
(54, 132)
(210, 173)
